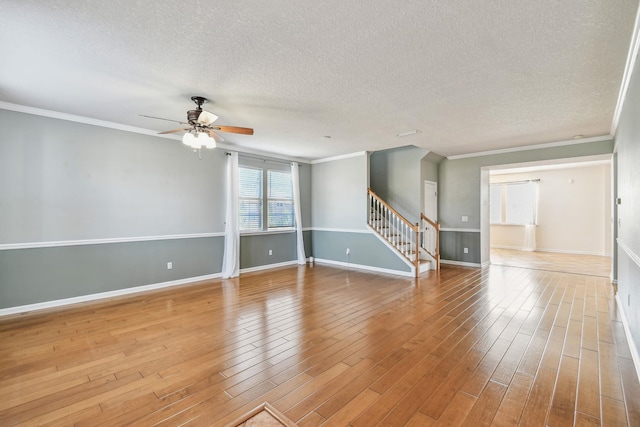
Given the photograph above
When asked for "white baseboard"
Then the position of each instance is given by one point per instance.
(460, 263)
(632, 347)
(268, 266)
(103, 295)
(364, 267)
(557, 251)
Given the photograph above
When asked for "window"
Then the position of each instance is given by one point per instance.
(280, 199)
(250, 197)
(521, 203)
(255, 184)
(495, 199)
(514, 203)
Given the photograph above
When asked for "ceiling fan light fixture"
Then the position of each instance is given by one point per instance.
(206, 118)
(211, 143)
(202, 139)
(188, 139)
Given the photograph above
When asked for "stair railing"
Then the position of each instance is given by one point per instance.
(430, 241)
(395, 229)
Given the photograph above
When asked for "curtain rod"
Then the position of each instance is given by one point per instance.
(261, 159)
(516, 182)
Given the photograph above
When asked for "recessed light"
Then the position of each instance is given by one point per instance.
(578, 136)
(411, 132)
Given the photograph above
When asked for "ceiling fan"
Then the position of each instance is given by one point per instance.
(201, 132)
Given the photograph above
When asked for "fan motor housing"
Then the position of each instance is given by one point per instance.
(192, 116)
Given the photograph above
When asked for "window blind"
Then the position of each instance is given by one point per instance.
(280, 199)
(250, 199)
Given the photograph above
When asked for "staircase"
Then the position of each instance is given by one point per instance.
(414, 243)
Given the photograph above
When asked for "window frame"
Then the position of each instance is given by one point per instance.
(265, 166)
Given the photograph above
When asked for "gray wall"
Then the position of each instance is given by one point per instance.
(339, 193)
(628, 190)
(63, 181)
(29, 276)
(461, 192)
(339, 205)
(365, 250)
(396, 178)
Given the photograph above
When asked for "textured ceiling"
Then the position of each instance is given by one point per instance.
(469, 76)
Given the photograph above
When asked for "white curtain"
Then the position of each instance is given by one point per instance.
(295, 180)
(231, 258)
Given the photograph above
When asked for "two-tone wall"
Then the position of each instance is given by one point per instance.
(463, 204)
(628, 211)
(88, 210)
(339, 217)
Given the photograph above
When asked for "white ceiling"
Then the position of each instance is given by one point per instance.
(469, 76)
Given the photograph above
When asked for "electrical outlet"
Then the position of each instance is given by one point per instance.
(465, 218)
(466, 250)
(348, 251)
(169, 265)
(270, 252)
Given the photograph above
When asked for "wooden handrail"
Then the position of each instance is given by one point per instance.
(435, 224)
(409, 238)
(435, 255)
(395, 212)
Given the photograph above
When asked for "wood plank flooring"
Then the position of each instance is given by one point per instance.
(501, 346)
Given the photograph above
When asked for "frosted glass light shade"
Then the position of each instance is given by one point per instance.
(188, 139)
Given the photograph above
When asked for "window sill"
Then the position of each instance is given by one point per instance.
(265, 232)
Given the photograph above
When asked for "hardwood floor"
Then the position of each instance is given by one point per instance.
(502, 346)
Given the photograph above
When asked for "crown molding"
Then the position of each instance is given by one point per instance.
(632, 57)
(111, 125)
(344, 156)
(533, 147)
(81, 119)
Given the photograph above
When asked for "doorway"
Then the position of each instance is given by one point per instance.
(573, 231)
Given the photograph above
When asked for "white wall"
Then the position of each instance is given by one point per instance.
(574, 211)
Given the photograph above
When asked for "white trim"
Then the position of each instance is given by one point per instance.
(462, 230)
(628, 251)
(33, 245)
(485, 264)
(632, 56)
(267, 232)
(364, 267)
(103, 295)
(627, 331)
(268, 266)
(344, 156)
(460, 263)
(339, 230)
(567, 251)
(81, 119)
(533, 147)
(558, 251)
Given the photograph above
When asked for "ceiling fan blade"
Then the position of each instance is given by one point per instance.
(160, 118)
(215, 135)
(206, 118)
(174, 130)
(234, 129)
